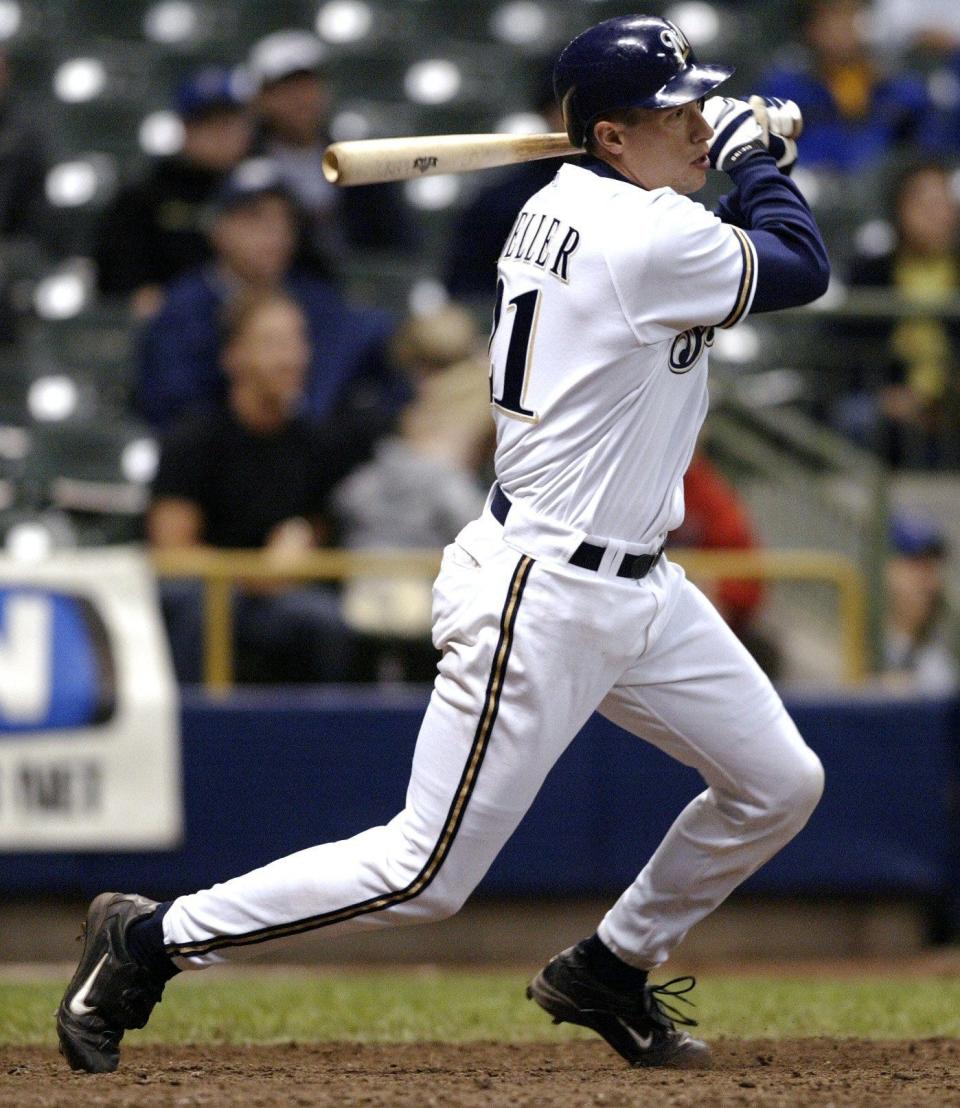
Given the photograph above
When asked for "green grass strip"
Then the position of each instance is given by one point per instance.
(379, 1006)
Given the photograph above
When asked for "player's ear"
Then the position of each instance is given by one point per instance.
(608, 136)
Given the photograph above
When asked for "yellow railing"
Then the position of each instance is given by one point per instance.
(220, 569)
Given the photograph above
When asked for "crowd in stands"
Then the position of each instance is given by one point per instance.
(292, 416)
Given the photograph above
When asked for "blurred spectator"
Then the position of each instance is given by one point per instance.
(855, 113)
(449, 418)
(945, 80)
(253, 232)
(293, 103)
(420, 488)
(717, 519)
(906, 401)
(481, 231)
(920, 647)
(153, 232)
(23, 164)
(257, 473)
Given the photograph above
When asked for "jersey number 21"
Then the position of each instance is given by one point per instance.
(516, 368)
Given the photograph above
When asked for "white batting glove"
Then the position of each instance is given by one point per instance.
(736, 133)
(781, 123)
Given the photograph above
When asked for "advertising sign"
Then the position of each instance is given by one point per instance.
(89, 717)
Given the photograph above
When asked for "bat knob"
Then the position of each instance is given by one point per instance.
(331, 164)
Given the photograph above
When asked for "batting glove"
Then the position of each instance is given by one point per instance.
(736, 133)
(781, 123)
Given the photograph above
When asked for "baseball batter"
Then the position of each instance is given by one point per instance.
(559, 601)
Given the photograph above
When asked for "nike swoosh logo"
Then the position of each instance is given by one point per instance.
(78, 1005)
(644, 1042)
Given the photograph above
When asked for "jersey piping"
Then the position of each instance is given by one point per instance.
(455, 814)
(748, 279)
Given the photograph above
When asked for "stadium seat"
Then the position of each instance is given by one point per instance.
(256, 18)
(97, 472)
(95, 350)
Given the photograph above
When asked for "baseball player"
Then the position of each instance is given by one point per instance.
(559, 600)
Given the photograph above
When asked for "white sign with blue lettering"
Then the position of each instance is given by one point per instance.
(89, 716)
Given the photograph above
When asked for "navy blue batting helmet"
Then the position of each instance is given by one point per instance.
(633, 61)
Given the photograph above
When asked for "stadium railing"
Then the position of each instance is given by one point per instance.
(220, 570)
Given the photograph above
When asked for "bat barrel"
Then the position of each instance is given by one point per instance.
(369, 161)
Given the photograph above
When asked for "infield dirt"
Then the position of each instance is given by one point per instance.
(531, 1075)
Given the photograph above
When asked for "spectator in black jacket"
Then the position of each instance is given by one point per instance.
(153, 232)
(256, 473)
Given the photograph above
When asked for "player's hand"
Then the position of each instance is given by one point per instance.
(736, 133)
(781, 123)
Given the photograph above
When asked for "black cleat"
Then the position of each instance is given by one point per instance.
(110, 992)
(636, 1025)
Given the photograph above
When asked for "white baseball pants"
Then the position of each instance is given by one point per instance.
(531, 647)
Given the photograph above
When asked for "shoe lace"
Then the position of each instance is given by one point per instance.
(661, 1010)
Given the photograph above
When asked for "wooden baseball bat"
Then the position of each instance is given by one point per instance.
(397, 159)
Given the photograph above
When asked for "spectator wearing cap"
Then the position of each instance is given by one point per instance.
(292, 102)
(153, 232)
(252, 232)
(920, 641)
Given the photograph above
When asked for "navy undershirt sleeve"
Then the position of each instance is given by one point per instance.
(792, 263)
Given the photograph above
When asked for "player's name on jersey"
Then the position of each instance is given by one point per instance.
(544, 242)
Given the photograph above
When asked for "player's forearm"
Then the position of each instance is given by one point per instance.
(792, 263)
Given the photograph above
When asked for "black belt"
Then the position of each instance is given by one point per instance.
(587, 555)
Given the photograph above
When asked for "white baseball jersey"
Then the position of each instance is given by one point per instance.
(598, 435)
